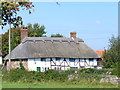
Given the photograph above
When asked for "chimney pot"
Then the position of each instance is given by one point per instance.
(73, 35)
(24, 32)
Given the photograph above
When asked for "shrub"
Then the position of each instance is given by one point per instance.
(19, 75)
(13, 75)
(21, 66)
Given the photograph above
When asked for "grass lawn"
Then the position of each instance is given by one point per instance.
(57, 85)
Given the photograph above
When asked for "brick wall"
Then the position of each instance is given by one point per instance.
(16, 64)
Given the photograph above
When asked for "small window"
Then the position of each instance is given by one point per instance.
(55, 68)
(73, 67)
(36, 59)
(58, 59)
(43, 59)
(47, 59)
(72, 60)
(45, 68)
(81, 60)
(91, 59)
(95, 67)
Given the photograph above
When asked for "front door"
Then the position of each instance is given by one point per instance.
(38, 69)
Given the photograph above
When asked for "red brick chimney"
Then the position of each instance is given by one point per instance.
(24, 32)
(73, 35)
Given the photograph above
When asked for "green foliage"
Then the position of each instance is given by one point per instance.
(19, 75)
(34, 30)
(9, 12)
(0, 66)
(56, 85)
(15, 40)
(5, 44)
(13, 75)
(21, 66)
(92, 74)
(56, 35)
(111, 57)
(93, 71)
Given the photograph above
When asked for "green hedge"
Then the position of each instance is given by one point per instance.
(20, 75)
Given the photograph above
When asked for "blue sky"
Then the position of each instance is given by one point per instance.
(94, 22)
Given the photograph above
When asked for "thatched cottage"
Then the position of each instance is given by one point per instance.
(43, 53)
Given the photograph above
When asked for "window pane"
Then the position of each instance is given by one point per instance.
(43, 59)
(72, 60)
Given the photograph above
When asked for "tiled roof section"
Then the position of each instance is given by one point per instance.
(100, 52)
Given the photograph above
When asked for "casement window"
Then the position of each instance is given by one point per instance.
(91, 59)
(47, 59)
(58, 59)
(43, 59)
(45, 68)
(55, 68)
(37, 59)
(81, 60)
(72, 60)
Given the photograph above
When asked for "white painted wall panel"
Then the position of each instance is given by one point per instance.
(45, 65)
(31, 65)
(82, 62)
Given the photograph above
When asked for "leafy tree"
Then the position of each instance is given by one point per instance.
(9, 10)
(111, 57)
(15, 36)
(36, 30)
(56, 35)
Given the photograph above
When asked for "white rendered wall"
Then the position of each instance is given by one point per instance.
(34, 63)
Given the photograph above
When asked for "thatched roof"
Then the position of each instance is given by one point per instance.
(46, 47)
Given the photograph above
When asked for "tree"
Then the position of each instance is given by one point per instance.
(56, 35)
(36, 30)
(10, 9)
(15, 36)
(112, 57)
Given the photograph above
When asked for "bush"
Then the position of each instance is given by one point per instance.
(93, 71)
(21, 66)
(13, 75)
(19, 75)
